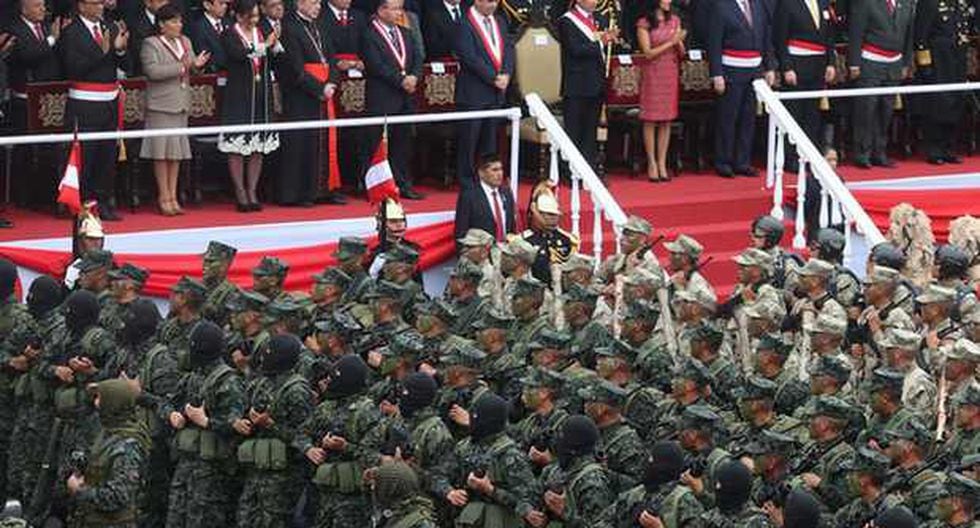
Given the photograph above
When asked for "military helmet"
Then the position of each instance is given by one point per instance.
(953, 262)
(889, 255)
(769, 228)
(831, 243)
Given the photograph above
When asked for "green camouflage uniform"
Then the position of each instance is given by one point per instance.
(17, 329)
(747, 517)
(113, 314)
(215, 307)
(176, 334)
(679, 508)
(586, 485)
(112, 484)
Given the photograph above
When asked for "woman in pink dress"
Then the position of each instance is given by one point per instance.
(661, 40)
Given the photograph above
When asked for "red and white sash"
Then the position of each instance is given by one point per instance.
(178, 52)
(254, 43)
(401, 58)
(741, 58)
(805, 48)
(875, 54)
(496, 53)
(584, 23)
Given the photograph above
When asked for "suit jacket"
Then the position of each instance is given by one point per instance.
(440, 31)
(344, 39)
(870, 23)
(583, 67)
(731, 30)
(83, 60)
(140, 28)
(31, 60)
(474, 211)
(204, 37)
(793, 21)
(164, 92)
(302, 93)
(384, 75)
(474, 82)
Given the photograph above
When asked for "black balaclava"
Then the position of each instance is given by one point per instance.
(896, 517)
(802, 510)
(488, 416)
(666, 463)
(348, 376)
(8, 277)
(418, 392)
(733, 486)
(81, 311)
(579, 436)
(141, 321)
(282, 356)
(45, 295)
(207, 343)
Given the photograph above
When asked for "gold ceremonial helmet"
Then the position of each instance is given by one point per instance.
(89, 223)
(392, 210)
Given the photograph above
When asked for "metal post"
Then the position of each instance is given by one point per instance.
(515, 152)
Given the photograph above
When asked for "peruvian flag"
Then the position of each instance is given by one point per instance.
(68, 191)
(379, 180)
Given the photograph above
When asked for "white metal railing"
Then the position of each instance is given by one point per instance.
(583, 178)
(837, 204)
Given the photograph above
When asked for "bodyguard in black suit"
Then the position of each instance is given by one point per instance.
(583, 37)
(439, 28)
(486, 59)
(803, 38)
(393, 67)
(141, 24)
(32, 59)
(91, 52)
(739, 51)
(205, 33)
(489, 205)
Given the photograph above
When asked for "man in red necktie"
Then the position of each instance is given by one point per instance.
(490, 205)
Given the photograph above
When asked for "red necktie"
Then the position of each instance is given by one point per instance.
(97, 33)
(343, 18)
(38, 31)
(498, 216)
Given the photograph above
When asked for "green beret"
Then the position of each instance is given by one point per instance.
(189, 286)
(604, 392)
(493, 318)
(95, 259)
(349, 247)
(401, 253)
(129, 272)
(334, 276)
(271, 267)
(219, 251)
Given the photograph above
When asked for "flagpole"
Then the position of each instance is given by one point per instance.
(75, 250)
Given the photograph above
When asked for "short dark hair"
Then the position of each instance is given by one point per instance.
(245, 7)
(167, 12)
(487, 159)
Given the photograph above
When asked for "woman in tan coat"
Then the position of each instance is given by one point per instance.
(168, 61)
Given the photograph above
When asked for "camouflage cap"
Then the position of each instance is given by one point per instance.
(407, 343)
(467, 271)
(685, 245)
(755, 257)
(520, 249)
(580, 294)
(769, 308)
(866, 460)
(881, 275)
(463, 355)
(934, 293)
(437, 308)
(340, 322)
(756, 388)
(972, 315)
(476, 238)
(129, 272)
(638, 224)
(969, 396)
(578, 261)
(831, 407)
(189, 286)
(771, 442)
(642, 309)
(968, 461)
(402, 254)
(334, 276)
(493, 318)
(95, 259)
(541, 377)
(604, 392)
(705, 331)
(528, 286)
(700, 417)
(620, 349)
(959, 485)
(551, 339)
(247, 300)
(775, 343)
(964, 349)
(816, 268)
(641, 276)
(697, 294)
(827, 324)
(350, 247)
(832, 366)
(693, 370)
(219, 251)
(271, 267)
(280, 309)
(912, 430)
(384, 289)
(885, 378)
(901, 339)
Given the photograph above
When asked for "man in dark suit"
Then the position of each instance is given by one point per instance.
(141, 24)
(489, 205)
(307, 83)
(32, 59)
(343, 27)
(439, 28)
(583, 73)
(393, 67)
(739, 50)
(273, 12)
(91, 52)
(205, 33)
(803, 38)
(879, 53)
(486, 58)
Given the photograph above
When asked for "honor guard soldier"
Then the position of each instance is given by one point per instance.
(555, 245)
(879, 54)
(216, 263)
(89, 237)
(739, 49)
(942, 37)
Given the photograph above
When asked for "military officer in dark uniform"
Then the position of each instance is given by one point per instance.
(555, 245)
(942, 36)
(879, 54)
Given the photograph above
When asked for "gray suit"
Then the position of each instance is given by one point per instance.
(164, 92)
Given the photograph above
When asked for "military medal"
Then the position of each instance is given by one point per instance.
(401, 57)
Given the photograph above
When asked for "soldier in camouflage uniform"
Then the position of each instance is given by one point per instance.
(965, 437)
(962, 359)
(461, 385)
(899, 348)
(247, 335)
(433, 319)
(868, 470)
(578, 305)
(333, 439)
(272, 449)
(269, 276)
(487, 475)
(538, 431)
(640, 407)
(732, 493)
(328, 293)
(126, 283)
(463, 294)
(386, 299)
(93, 273)
(575, 489)
(401, 267)
(478, 247)
(285, 316)
(766, 234)
(216, 262)
(886, 304)
(516, 258)
(684, 266)
(691, 385)
(907, 445)
(769, 453)
(695, 307)
(705, 344)
(619, 444)
(938, 329)
(755, 268)
(653, 362)
(814, 292)
(105, 496)
(186, 300)
(502, 369)
(824, 337)
(827, 378)
(950, 269)
(398, 501)
(204, 413)
(350, 255)
(699, 432)
(756, 406)
(828, 247)
(636, 251)
(771, 353)
(820, 463)
(393, 363)
(888, 412)
(957, 505)
(525, 305)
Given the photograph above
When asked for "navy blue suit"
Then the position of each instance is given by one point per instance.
(730, 30)
(204, 37)
(475, 91)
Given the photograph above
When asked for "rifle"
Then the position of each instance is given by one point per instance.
(617, 307)
(903, 481)
(558, 306)
(39, 510)
(810, 457)
(941, 402)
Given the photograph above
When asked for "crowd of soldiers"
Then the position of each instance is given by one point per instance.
(619, 394)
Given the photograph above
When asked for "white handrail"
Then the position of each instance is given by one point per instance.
(880, 90)
(810, 157)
